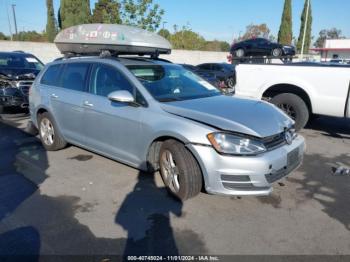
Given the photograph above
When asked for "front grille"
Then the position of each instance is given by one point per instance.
(274, 141)
(24, 86)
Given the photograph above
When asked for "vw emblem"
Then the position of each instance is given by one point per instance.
(289, 138)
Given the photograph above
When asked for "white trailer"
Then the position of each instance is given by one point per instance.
(301, 90)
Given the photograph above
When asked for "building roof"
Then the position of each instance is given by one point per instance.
(334, 45)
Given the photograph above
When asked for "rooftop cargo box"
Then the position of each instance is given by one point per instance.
(91, 39)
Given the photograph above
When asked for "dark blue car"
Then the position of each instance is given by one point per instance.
(261, 47)
(17, 73)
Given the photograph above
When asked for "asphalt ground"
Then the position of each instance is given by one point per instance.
(74, 202)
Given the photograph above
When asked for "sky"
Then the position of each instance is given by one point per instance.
(213, 19)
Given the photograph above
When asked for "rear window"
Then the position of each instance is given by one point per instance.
(50, 76)
(74, 76)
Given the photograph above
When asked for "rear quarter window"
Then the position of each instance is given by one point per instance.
(50, 76)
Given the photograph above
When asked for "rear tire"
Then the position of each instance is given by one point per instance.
(49, 134)
(294, 107)
(180, 171)
(2, 109)
(230, 82)
(240, 52)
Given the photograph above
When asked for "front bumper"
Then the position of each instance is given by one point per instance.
(247, 176)
(289, 51)
(14, 101)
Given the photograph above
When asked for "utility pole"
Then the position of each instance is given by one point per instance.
(14, 18)
(9, 22)
(305, 27)
(164, 24)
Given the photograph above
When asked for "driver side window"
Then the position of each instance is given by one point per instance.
(105, 79)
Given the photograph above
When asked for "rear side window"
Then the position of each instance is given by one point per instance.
(50, 76)
(74, 76)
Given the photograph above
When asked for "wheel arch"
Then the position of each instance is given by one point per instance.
(278, 89)
(38, 111)
(153, 150)
(43, 109)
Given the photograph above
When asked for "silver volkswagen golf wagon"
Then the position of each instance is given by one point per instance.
(155, 115)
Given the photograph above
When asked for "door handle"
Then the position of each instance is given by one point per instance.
(54, 96)
(86, 103)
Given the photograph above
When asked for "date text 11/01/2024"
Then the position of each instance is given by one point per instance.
(173, 258)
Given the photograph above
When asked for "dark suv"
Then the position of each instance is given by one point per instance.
(17, 73)
(223, 72)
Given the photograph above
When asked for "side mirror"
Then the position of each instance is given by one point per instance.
(121, 96)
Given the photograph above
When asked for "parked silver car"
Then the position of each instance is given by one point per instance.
(154, 115)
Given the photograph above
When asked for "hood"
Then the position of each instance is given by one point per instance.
(18, 74)
(251, 117)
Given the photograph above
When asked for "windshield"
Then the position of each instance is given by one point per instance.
(20, 62)
(172, 83)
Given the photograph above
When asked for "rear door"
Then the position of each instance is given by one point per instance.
(111, 128)
(67, 101)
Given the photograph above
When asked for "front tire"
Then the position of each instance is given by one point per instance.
(277, 52)
(50, 137)
(295, 107)
(180, 171)
(2, 109)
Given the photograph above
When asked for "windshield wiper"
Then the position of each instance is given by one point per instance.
(169, 99)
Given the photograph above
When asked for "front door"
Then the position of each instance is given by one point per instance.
(111, 128)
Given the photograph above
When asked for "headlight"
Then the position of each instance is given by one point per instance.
(226, 143)
(14, 84)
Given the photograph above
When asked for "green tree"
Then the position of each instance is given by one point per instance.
(285, 34)
(106, 12)
(217, 46)
(187, 39)
(324, 34)
(32, 36)
(51, 25)
(141, 13)
(74, 12)
(308, 30)
(3, 36)
(164, 33)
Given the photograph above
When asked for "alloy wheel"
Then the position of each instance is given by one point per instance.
(240, 53)
(231, 83)
(289, 110)
(276, 52)
(170, 172)
(47, 131)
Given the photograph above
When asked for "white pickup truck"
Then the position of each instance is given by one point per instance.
(301, 90)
